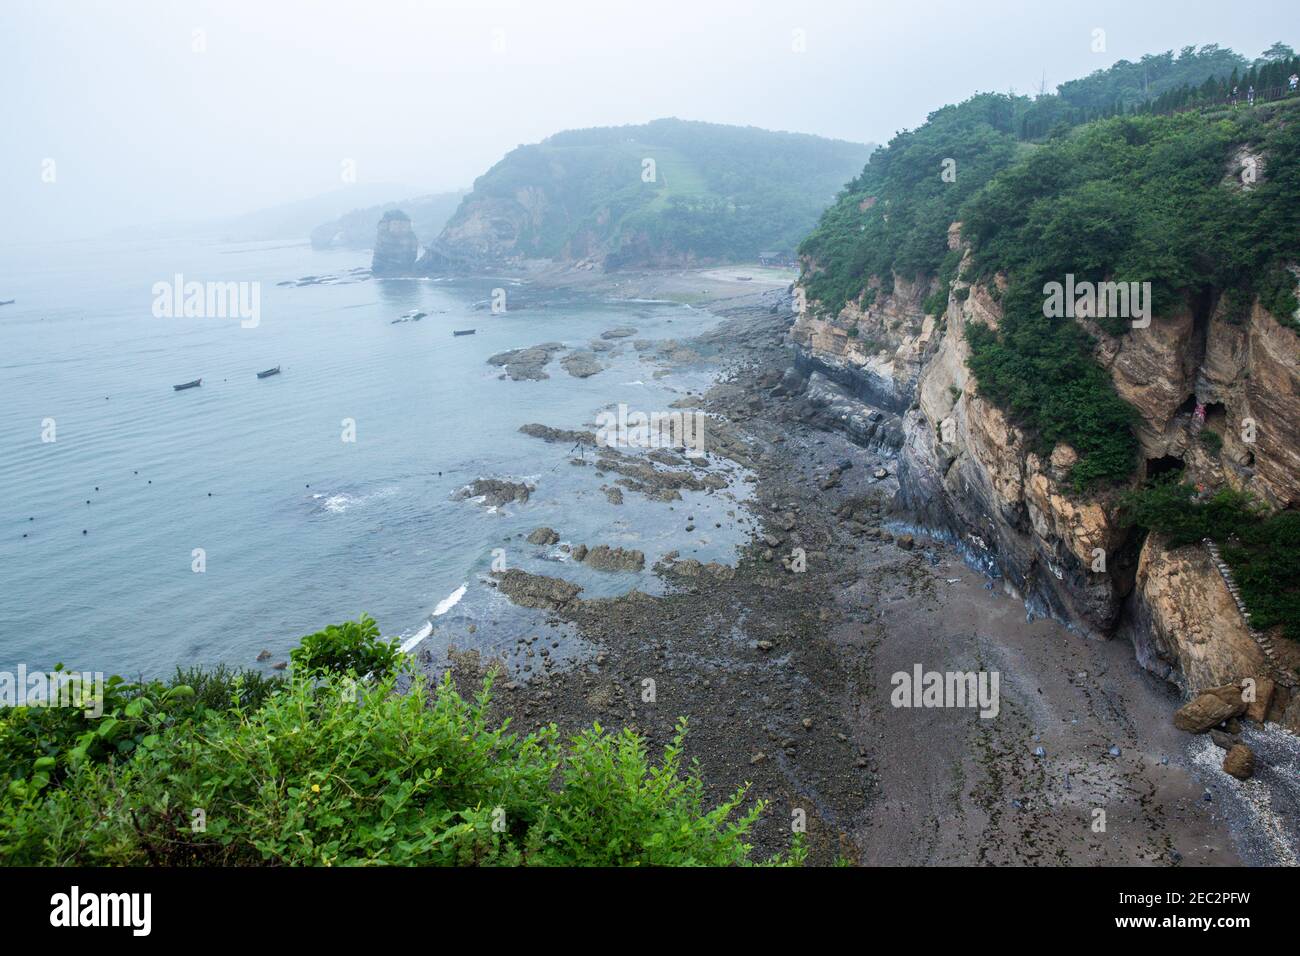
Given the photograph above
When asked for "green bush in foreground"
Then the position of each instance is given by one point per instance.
(1262, 550)
(327, 770)
(39, 746)
(353, 647)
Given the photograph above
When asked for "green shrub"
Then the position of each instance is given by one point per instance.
(1212, 441)
(1144, 198)
(1262, 550)
(616, 808)
(332, 771)
(353, 647)
(894, 217)
(1172, 508)
(1041, 372)
(39, 746)
(1265, 561)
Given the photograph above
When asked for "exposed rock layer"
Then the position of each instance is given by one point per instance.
(966, 468)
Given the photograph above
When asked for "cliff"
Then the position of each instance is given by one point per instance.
(1211, 391)
(965, 468)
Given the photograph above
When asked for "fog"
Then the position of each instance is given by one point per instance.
(129, 113)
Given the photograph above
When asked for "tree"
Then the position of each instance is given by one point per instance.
(1278, 52)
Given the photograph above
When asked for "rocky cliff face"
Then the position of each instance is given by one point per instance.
(495, 229)
(965, 469)
(396, 246)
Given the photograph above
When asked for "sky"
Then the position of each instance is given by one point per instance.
(115, 114)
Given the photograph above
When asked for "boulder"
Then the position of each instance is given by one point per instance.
(1239, 762)
(1229, 694)
(1224, 740)
(1204, 712)
(1257, 709)
(543, 535)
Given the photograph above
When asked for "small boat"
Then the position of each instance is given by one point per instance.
(463, 331)
(194, 384)
(8, 301)
(269, 372)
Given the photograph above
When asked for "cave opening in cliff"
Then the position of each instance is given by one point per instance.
(1159, 467)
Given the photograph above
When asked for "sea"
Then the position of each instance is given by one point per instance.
(144, 528)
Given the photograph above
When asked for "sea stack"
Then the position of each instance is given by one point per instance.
(395, 245)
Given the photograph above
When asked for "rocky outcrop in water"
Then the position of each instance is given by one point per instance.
(396, 246)
(494, 492)
(604, 558)
(536, 590)
(581, 364)
(528, 364)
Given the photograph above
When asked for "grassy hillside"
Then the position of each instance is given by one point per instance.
(1133, 197)
(666, 191)
(894, 216)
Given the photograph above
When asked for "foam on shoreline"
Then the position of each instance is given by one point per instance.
(445, 605)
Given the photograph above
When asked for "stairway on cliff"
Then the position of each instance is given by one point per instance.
(1281, 673)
